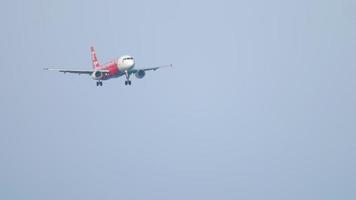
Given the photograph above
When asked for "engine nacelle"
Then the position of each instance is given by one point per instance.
(140, 74)
(97, 75)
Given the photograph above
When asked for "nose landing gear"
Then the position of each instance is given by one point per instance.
(127, 82)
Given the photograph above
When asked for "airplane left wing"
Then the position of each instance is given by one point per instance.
(150, 68)
(155, 68)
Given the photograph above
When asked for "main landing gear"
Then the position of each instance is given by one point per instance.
(99, 83)
(127, 82)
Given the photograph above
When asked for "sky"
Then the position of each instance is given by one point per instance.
(260, 103)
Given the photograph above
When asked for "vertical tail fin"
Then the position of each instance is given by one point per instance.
(94, 59)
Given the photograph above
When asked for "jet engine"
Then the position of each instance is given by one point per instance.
(97, 75)
(140, 73)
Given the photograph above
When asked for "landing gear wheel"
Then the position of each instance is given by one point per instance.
(129, 82)
(99, 83)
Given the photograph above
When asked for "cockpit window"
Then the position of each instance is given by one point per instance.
(129, 58)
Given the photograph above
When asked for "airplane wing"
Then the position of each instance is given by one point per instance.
(151, 68)
(155, 68)
(89, 72)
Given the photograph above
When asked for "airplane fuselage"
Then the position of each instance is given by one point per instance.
(115, 68)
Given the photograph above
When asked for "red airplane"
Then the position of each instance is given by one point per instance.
(114, 69)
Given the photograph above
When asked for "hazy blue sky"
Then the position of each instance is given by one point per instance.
(260, 103)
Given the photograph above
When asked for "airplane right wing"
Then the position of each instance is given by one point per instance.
(89, 72)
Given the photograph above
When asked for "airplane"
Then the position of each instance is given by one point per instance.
(123, 66)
